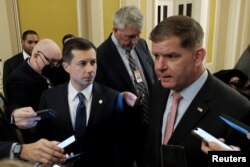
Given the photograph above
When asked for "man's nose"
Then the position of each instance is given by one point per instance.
(135, 39)
(91, 67)
(160, 64)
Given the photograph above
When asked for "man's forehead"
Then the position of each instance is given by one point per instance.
(31, 37)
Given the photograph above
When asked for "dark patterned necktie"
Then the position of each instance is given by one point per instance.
(140, 88)
(80, 120)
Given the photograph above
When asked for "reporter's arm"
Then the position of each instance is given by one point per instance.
(25, 117)
(129, 98)
(212, 146)
(43, 151)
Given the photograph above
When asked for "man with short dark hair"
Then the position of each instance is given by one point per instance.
(98, 122)
(29, 40)
(187, 96)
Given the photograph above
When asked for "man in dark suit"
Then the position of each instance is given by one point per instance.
(29, 40)
(26, 84)
(103, 141)
(114, 69)
(179, 63)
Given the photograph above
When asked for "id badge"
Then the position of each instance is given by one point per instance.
(138, 76)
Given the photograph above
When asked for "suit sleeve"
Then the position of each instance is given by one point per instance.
(120, 152)
(5, 148)
(6, 72)
(101, 72)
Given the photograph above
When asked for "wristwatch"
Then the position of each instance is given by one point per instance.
(17, 150)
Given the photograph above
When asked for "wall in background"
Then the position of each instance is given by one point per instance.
(51, 19)
(109, 9)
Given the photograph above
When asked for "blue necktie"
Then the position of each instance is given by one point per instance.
(80, 120)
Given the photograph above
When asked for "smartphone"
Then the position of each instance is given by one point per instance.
(139, 98)
(46, 113)
(237, 125)
(67, 142)
(74, 157)
(203, 135)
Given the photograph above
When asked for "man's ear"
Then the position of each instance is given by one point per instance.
(66, 66)
(115, 29)
(22, 42)
(199, 55)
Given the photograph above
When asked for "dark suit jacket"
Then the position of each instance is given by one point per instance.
(9, 66)
(24, 88)
(104, 143)
(214, 98)
(112, 72)
(5, 149)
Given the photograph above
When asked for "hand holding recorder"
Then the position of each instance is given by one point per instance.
(208, 138)
(26, 117)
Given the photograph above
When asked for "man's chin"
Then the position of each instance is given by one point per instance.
(166, 85)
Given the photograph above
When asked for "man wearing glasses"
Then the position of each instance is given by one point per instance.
(26, 84)
(29, 40)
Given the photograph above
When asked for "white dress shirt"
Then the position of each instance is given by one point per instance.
(25, 55)
(124, 57)
(73, 101)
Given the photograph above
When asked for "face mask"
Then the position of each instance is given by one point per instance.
(47, 70)
(57, 75)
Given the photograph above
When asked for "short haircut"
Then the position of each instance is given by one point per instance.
(67, 36)
(128, 16)
(187, 29)
(28, 32)
(76, 44)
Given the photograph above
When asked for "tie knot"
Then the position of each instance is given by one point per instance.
(128, 52)
(177, 97)
(80, 96)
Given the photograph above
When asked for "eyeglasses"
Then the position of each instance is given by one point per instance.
(53, 63)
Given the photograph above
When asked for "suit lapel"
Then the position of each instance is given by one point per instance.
(98, 103)
(118, 65)
(195, 112)
(64, 107)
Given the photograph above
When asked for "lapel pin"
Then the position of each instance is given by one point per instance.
(100, 101)
(200, 109)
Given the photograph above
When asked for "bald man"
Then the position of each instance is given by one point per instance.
(26, 84)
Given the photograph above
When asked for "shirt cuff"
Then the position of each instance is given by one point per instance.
(11, 150)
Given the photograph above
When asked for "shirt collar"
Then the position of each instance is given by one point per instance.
(25, 55)
(191, 91)
(87, 92)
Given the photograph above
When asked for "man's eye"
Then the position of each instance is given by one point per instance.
(172, 56)
(93, 62)
(156, 56)
(83, 63)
